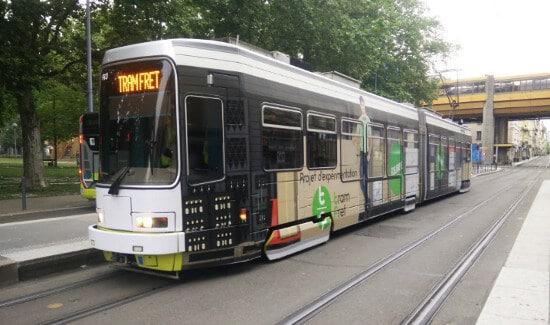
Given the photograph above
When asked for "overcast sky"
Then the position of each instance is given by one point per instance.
(498, 37)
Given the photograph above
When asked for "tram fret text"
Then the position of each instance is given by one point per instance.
(138, 82)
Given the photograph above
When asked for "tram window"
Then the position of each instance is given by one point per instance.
(411, 151)
(350, 149)
(394, 152)
(434, 144)
(452, 154)
(444, 161)
(459, 154)
(282, 141)
(321, 141)
(377, 160)
(204, 139)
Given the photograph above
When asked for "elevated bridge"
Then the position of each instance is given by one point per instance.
(493, 102)
(516, 98)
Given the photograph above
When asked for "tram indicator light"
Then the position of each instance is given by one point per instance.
(138, 82)
(242, 215)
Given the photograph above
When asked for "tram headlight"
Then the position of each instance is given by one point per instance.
(151, 222)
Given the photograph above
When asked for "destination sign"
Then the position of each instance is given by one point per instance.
(138, 82)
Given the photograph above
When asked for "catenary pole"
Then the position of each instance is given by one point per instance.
(89, 57)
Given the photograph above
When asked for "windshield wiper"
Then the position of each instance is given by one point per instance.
(113, 190)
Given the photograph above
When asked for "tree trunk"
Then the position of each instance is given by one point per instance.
(32, 145)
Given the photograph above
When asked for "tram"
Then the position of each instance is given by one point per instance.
(88, 160)
(212, 153)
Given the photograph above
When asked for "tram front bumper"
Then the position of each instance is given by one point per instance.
(136, 243)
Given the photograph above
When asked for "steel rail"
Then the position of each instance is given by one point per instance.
(424, 312)
(53, 291)
(322, 302)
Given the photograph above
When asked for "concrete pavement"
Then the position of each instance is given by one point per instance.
(520, 294)
(56, 244)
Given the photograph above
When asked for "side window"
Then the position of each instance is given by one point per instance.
(394, 152)
(205, 140)
(467, 152)
(452, 154)
(321, 141)
(411, 151)
(282, 141)
(350, 149)
(377, 138)
(443, 155)
(434, 144)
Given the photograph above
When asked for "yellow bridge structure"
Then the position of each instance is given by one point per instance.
(494, 102)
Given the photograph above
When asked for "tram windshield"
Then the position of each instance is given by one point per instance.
(138, 124)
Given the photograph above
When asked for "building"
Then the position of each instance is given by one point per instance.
(526, 139)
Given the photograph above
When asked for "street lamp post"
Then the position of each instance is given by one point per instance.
(14, 139)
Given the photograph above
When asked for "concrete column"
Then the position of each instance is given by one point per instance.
(501, 137)
(501, 130)
(488, 133)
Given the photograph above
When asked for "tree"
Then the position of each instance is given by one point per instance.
(30, 36)
(386, 44)
(59, 108)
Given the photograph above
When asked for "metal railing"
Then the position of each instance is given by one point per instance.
(483, 168)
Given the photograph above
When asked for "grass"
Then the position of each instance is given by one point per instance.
(62, 180)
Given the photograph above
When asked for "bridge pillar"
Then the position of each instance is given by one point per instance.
(488, 133)
(501, 139)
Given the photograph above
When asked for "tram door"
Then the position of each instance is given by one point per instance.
(236, 131)
(437, 160)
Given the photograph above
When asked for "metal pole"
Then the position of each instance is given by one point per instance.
(14, 139)
(54, 135)
(23, 194)
(89, 57)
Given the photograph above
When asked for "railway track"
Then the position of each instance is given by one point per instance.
(114, 299)
(428, 307)
(19, 304)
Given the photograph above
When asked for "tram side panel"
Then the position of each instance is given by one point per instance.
(445, 158)
(305, 198)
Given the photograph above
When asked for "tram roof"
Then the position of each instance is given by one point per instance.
(206, 54)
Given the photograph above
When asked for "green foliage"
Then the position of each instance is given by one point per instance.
(59, 107)
(63, 179)
(387, 44)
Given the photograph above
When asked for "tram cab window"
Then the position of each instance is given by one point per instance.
(321, 141)
(204, 139)
(282, 141)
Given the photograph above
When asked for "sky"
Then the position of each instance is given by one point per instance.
(496, 37)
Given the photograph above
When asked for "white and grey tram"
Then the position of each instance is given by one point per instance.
(211, 153)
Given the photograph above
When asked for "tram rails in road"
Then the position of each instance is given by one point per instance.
(428, 307)
(263, 293)
(72, 301)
